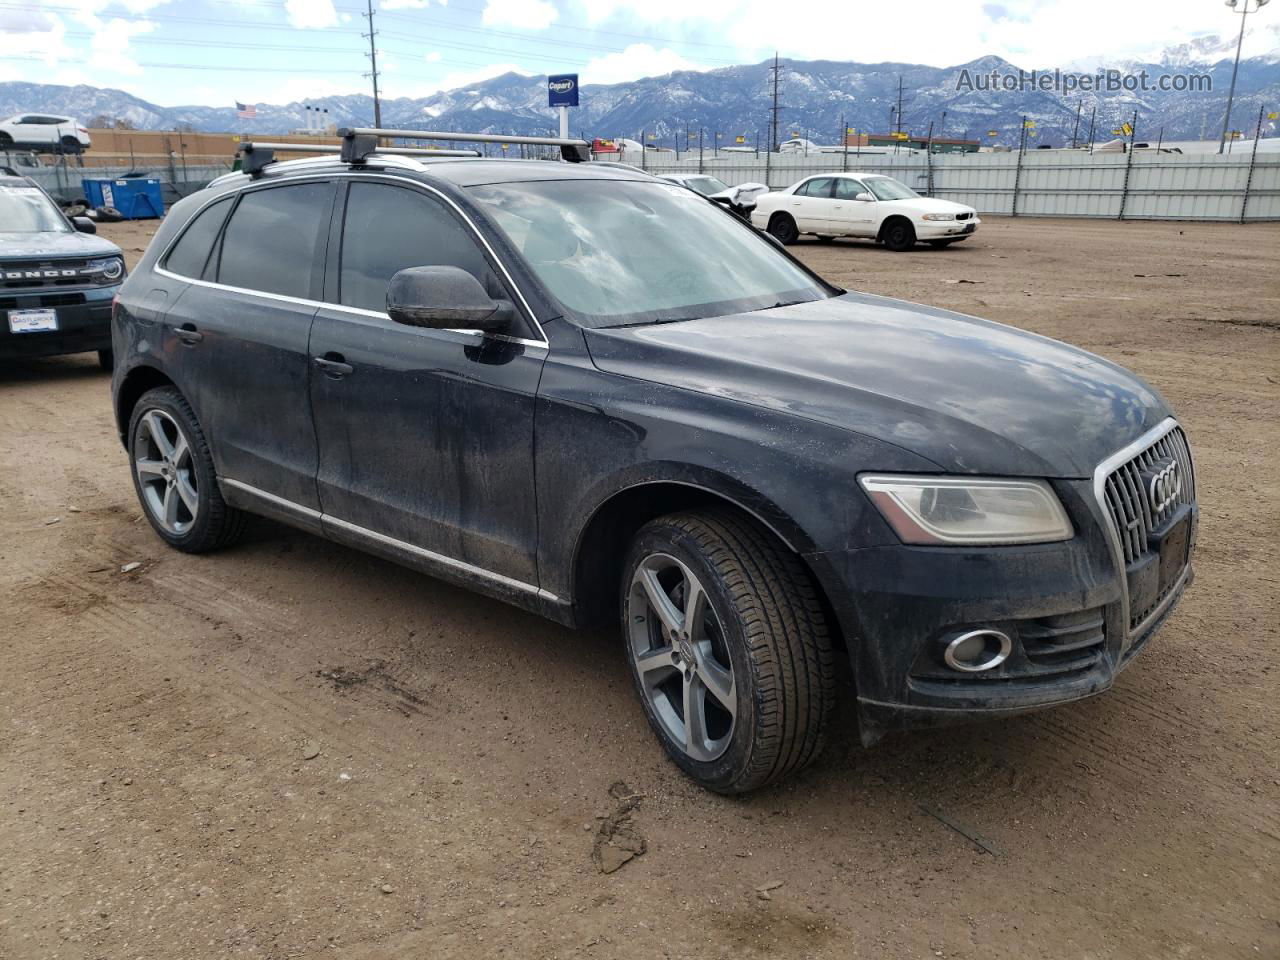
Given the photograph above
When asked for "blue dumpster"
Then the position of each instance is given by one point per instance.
(137, 198)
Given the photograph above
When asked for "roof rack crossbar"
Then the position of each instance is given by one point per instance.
(258, 154)
(357, 138)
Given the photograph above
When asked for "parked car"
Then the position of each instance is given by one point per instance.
(740, 199)
(43, 131)
(581, 390)
(57, 279)
(863, 205)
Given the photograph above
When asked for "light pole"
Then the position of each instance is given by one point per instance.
(1241, 7)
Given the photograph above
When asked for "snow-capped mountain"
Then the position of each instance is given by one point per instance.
(817, 97)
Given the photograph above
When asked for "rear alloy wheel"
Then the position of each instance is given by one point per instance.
(784, 228)
(899, 235)
(728, 648)
(173, 475)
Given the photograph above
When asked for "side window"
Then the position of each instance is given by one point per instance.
(190, 254)
(847, 189)
(274, 239)
(388, 228)
(821, 187)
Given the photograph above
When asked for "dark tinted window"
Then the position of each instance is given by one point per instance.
(389, 228)
(820, 187)
(191, 252)
(273, 239)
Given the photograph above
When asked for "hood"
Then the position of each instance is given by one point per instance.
(970, 395)
(932, 205)
(45, 246)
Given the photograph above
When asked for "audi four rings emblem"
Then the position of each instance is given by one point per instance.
(1163, 487)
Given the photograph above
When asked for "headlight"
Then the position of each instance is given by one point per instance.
(109, 269)
(938, 216)
(969, 510)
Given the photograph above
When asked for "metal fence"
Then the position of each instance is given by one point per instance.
(65, 181)
(1139, 185)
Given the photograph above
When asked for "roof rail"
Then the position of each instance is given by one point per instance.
(257, 154)
(361, 142)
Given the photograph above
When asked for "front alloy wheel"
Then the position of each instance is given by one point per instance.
(728, 647)
(678, 651)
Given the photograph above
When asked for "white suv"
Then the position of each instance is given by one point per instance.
(863, 205)
(42, 131)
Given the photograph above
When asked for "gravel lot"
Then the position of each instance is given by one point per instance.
(292, 749)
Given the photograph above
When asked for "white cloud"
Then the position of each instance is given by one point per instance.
(525, 14)
(311, 14)
(1030, 33)
(109, 46)
(638, 60)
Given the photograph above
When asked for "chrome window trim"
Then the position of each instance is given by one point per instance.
(1100, 474)
(459, 565)
(340, 175)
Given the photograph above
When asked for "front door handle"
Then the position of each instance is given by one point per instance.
(188, 334)
(334, 365)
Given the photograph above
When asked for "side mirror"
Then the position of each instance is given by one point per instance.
(865, 197)
(84, 225)
(445, 298)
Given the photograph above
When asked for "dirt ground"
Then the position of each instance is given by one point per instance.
(290, 749)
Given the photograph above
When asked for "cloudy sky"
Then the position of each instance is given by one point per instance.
(214, 51)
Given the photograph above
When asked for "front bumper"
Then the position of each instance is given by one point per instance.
(1061, 604)
(84, 322)
(946, 229)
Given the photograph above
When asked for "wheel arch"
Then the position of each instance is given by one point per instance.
(135, 383)
(891, 219)
(600, 546)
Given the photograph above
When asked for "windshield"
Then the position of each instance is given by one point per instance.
(25, 209)
(706, 185)
(887, 188)
(621, 252)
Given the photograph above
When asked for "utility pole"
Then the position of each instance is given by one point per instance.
(1092, 117)
(1076, 129)
(373, 65)
(899, 103)
(1231, 94)
(942, 127)
(773, 126)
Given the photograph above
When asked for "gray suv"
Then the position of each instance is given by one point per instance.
(604, 398)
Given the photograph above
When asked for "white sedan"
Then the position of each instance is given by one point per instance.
(43, 131)
(863, 205)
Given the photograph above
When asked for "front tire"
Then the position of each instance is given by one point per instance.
(174, 478)
(729, 649)
(784, 229)
(899, 235)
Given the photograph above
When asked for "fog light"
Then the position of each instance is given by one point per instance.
(977, 650)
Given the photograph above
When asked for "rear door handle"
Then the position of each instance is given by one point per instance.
(334, 365)
(188, 334)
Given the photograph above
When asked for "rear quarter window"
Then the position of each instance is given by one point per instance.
(273, 241)
(190, 255)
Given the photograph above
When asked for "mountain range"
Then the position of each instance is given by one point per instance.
(816, 98)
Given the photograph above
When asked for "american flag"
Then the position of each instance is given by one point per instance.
(246, 111)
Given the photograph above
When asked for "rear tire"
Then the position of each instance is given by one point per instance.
(174, 478)
(107, 360)
(756, 663)
(899, 235)
(824, 239)
(784, 229)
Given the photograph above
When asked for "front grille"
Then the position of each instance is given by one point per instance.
(16, 274)
(1065, 642)
(1127, 498)
(44, 300)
